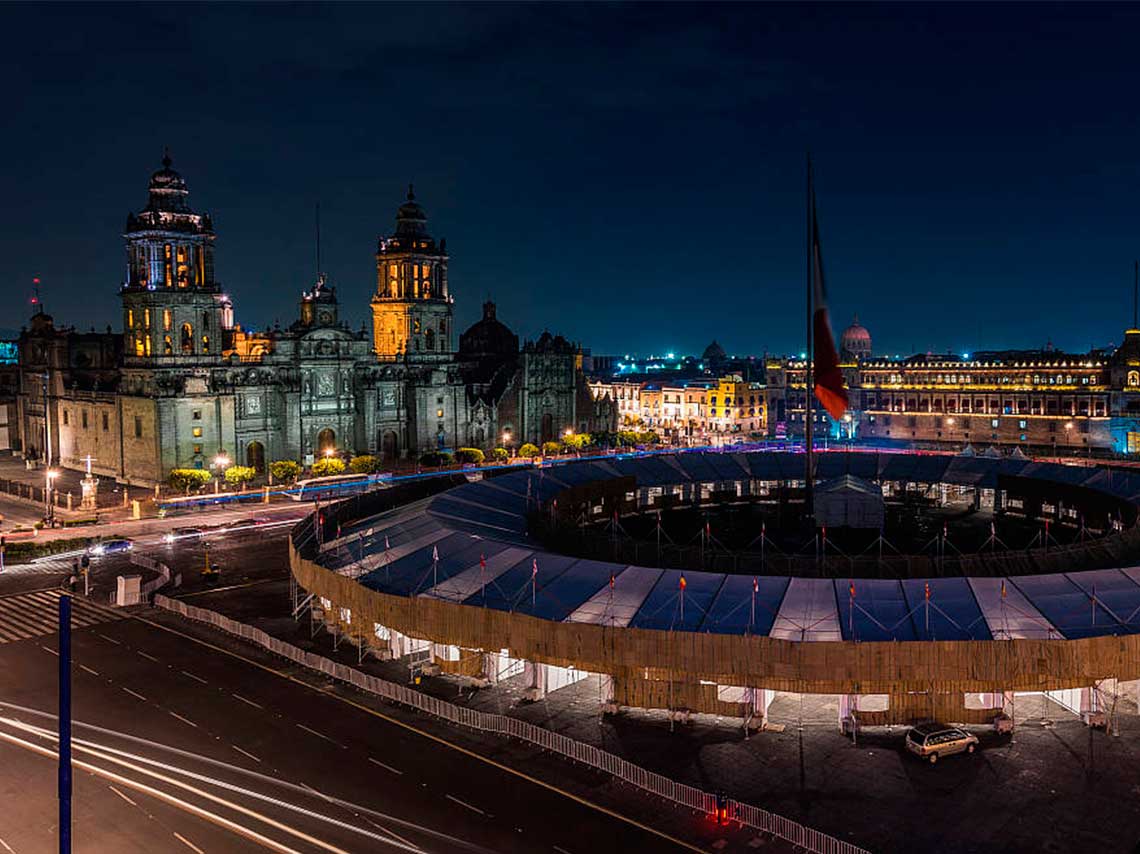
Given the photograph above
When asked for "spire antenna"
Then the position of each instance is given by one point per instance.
(1135, 290)
(318, 227)
(166, 161)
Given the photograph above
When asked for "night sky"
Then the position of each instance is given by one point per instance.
(629, 176)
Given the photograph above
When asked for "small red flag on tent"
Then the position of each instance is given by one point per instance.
(755, 585)
(851, 588)
(682, 584)
(611, 581)
(927, 586)
(1003, 588)
(829, 388)
(482, 562)
(534, 568)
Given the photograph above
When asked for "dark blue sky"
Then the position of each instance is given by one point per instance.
(630, 176)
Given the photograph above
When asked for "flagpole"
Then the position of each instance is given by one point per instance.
(808, 508)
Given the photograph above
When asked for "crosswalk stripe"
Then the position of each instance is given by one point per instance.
(34, 614)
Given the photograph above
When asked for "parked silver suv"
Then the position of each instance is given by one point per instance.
(933, 740)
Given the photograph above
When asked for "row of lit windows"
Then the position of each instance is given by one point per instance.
(177, 268)
(983, 379)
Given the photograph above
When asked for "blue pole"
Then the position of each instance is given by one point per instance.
(65, 724)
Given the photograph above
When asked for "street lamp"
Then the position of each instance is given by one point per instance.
(49, 507)
(330, 453)
(221, 462)
(507, 440)
(1068, 433)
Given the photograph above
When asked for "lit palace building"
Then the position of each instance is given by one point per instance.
(1041, 401)
(183, 384)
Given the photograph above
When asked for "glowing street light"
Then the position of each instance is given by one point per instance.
(49, 507)
(330, 453)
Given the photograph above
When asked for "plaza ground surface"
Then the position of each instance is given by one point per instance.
(1057, 786)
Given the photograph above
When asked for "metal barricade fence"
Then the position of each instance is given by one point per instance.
(587, 754)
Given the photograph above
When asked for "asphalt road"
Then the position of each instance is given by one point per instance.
(218, 754)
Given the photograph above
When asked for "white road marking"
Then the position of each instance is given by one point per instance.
(112, 640)
(49, 649)
(176, 715)
(244, 700)
(134, 693)
(89, 670)
(322, 735)
(464, 804)
(384, 766)
(560, 849)
(192, 676)
(145, 655)
(7, 847)
(121, 795)
(245, 753)
(187, 842)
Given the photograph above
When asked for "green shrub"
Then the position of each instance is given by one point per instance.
(185, 480)
(549, 449)
(327, 466)
(500, 455)
(528, 450)
(240, 475)
(576, 441)
(364, 464)
(285, 470)
(469, 455)
(433, 459)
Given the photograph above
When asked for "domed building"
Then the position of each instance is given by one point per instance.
(855, 343)
(714, 356)
(488, 337)
(183, 385)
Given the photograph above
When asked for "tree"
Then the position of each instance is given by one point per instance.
(469, 455)
(326, 466)
(549, 449)
(627, 437)
(528, 451)
(240, 475)
(576, 441)
(433, 459)
(500, 455)
(285, 470)
(364, 464)
(186, 480)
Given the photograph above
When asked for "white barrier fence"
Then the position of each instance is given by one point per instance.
(587, 754)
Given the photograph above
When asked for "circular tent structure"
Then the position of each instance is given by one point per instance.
(451, 569)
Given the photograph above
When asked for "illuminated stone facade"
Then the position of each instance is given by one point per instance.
(184, 387)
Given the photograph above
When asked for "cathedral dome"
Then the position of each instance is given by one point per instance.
(489, 336)
(856, 340)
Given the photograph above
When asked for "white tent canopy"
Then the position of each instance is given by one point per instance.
(849, 502)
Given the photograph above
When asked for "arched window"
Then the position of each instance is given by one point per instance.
(1134, 378)
(167, 319)
(167, 346)
(187, 338)
(205, 343)
(429, 340)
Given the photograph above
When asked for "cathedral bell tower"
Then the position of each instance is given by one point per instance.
(411, 311)
(173, 309)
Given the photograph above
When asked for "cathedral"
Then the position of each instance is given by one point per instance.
(183, 385)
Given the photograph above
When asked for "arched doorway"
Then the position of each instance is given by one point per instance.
(389, 446)
(255, 456)
(480, 437)
(326, 440)
(547, 427)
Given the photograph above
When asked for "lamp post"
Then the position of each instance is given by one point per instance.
(49, 506)
(507, 441)
(1068, 433)
(221, 461)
